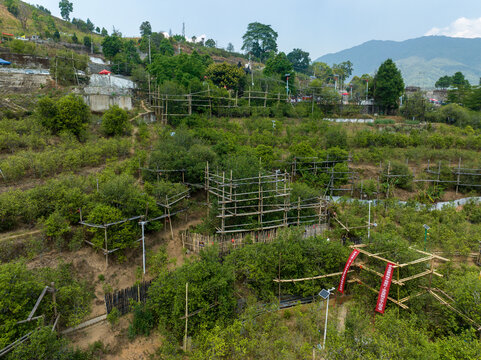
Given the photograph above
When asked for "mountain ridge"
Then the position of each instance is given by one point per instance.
(421, 60)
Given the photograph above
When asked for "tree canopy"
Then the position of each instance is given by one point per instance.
(226, 75)
(66, 7)
(145, 29)
(259, 40)
(388, 85)
(279, 65)
(300, 60)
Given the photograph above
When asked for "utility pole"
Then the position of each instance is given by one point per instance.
(251, 70)
(325, 294)
(183, 29)
(186, 314)
(150, 62)
(369, 222)
(336, 77)
(287, 87)
(367, 88)
(142, 223)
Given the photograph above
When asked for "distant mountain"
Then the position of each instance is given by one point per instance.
(422, 60)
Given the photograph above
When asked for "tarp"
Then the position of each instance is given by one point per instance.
(105, 72)
(4, 62)
(384, 291)
(350, 260)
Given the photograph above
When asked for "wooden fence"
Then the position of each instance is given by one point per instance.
(196, 242)
(121, 299)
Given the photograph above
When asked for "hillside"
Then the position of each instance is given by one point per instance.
(32, 21)
(422, 60)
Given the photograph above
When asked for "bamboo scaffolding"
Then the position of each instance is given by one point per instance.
(444, 302)
(400, 304)
(265, 197)
(310, 278)
(399, 281)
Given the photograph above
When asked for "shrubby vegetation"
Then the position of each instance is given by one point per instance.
(21, 288)
(70, 114)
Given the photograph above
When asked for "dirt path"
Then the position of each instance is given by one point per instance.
(341, 317)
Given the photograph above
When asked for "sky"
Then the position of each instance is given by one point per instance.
(316, 26)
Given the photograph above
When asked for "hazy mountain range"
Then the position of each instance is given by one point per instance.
(422, 60)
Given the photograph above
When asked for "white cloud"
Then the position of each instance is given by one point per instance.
(462, 27)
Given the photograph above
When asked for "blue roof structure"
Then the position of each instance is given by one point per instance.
(4, 62)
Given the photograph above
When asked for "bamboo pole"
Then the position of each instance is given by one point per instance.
(106, 250)
(186, 314)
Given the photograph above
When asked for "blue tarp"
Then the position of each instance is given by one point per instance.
(4, 62)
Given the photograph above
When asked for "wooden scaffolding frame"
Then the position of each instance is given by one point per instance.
(266, 194)
(398, 281)
(315, 165)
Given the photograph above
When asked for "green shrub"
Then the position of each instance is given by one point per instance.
(142, 323)
(115, 121)
(399, 175)
(113, 316)
(70, 114)
(56, 227)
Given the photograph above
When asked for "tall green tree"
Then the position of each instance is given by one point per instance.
(322, 71)
(444, 82)
(90, 25)
(66, 7)
(462, 88)
(459, 81)
(210, 43)
(300, 60)
(226, 75)
(388, 85)
(145, 29)
(279, 65)
(111, 46)
(259, 39)
(12, 6)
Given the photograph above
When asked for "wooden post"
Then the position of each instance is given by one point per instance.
(249, 97)
(265, 96)
(186, 314)
(398, 290)
(54, 298)
(170, 219)
(298, 211)
(320, 209)
(279, 277)
(189, 98)
(223, 203)
(259, 216)
(459, 176)
(166, 109)
(207, 187)
(106, 249)
(286, 207)
(388, 179)
(312, 109)
(236, 97)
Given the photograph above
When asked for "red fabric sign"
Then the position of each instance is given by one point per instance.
(384, 291)
(350, 260)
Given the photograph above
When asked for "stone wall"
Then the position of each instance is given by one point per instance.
(100, 103)
(18, 82)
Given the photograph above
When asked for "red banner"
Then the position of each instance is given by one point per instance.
(384, 291)
(350, 260)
